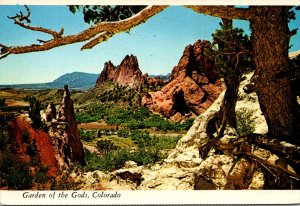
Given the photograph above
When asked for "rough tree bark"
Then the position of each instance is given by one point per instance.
(271, 80)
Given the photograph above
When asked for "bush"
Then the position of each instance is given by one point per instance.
(84, 118)
(87, 135)
(150, 150)
(14, 173)
(41, 176)
(123, 133)
(32, 148)
(34, 113)
(2, 102)
(5, 117)
(163, 142)
(141, 138)
(4, 138)
(25, 136)
(105, 146)
(107, 162)
(115, 159)
(146, 156)
(245, 122)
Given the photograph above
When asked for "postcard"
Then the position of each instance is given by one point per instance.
(177, 102)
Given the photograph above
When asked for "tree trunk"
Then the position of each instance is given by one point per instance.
(271, 80)
(232, 82)
(227, 110)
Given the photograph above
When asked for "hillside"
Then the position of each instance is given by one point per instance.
(75, 80)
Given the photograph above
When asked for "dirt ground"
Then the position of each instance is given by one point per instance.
(95, 125)
(12, 102)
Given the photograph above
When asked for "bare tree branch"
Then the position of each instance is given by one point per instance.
(20, 17)
(4, 51)
(102, 37)
(224, 12)
(105, 29)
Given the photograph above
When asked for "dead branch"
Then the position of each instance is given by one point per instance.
(267, 158)
(226, 12)
(20, 17)
(105, 29)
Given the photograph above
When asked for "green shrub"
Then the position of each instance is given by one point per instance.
(146, 156)
(141, 138)
(4, 139)
(32, 148)
(245, 122)
(84, 118)
(25, 136)
(123, 133)
(115, 159)
(150, 150)
(34, 113)
(163, 142)
(2, 102)
(5, 117)
(41, 177)
(14, 173)
(105, 146)
(107, 162)
(87, 135)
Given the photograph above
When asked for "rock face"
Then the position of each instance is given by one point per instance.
(126, 74)
(50, 112)
(193, 86)
(153, 82)
(65, 134)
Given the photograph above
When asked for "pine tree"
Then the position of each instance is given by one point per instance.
(233, 57)
(34, 112)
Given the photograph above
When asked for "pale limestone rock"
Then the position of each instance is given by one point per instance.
(250, 102)
(257, 182)
(216, 168)
(130, 164)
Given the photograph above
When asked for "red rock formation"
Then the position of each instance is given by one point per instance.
(153, 81)
(126, 74)
(107, 73)
(42, 141)
(192, 87)
(50, 112)
(66, 132)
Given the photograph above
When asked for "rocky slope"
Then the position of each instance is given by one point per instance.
(192, 87)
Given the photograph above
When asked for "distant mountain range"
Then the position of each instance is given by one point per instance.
(75, 80)
(164, 77)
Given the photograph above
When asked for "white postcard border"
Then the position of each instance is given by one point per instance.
(164, 196)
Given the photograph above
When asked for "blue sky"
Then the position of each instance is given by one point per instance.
(158, 44)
